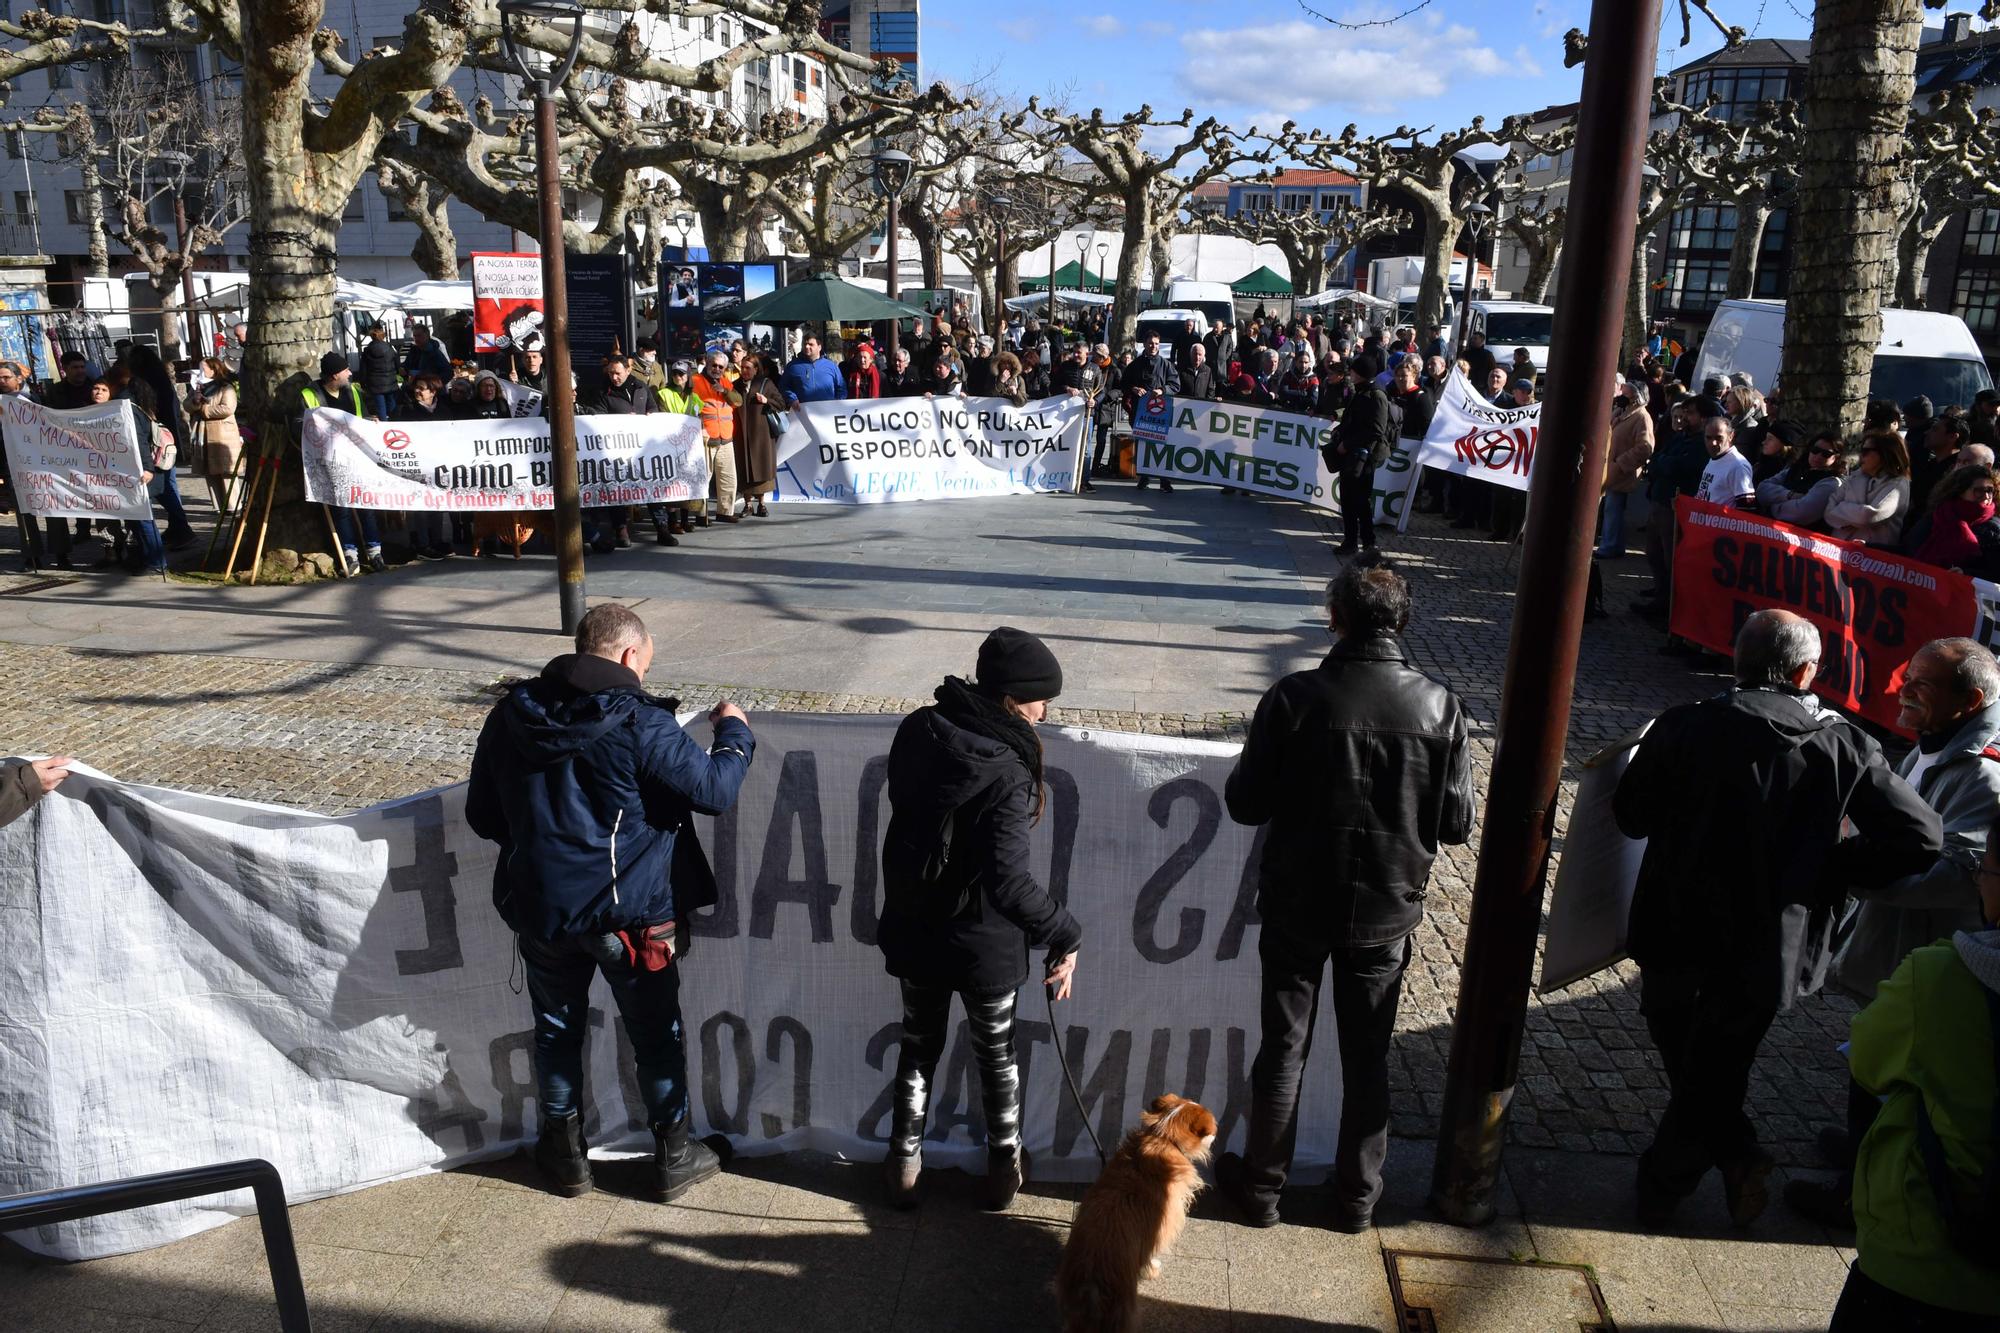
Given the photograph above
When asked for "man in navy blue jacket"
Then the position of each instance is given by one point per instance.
(588, 784)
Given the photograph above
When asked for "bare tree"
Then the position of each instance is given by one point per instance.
(1431, 174)
(1313, 243)
(1748, 164)
(1538, 226)
(1148, 187)
(1951, 162)
(423, 201)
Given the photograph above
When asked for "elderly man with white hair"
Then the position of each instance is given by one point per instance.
(1743, 799)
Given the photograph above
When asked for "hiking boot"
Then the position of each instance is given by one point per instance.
(562, 1156)
(1827, 1202)
(1231, 1185)
(1746, 1186)
(1006, 1169)
(680, 1161)
(901, 1175)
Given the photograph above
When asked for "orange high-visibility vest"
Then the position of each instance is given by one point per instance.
(718, 418)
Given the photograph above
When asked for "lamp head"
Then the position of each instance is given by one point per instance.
(892, 172)
(536, 65)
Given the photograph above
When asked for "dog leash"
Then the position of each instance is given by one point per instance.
(1049, 994)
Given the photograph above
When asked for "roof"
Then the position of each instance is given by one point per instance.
(1297, 178)
(1976, 60)
(1211, 190)
(1756, 51)
(1560, 111)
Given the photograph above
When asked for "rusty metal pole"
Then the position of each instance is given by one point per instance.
(895, 286)
(1548, 610)
(560, 394)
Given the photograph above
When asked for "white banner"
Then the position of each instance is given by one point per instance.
(190, 979)
(498, 464)
(887, 449)
(81, 462)
(1470, 437)
(522, 401)
(1591, 904)
(1257, 449)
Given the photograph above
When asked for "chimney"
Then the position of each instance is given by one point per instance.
(1957, 27)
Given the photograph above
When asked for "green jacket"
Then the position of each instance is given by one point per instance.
(682, 401)
(1927, 1035)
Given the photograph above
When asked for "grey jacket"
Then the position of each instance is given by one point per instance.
(19, 789)
(1883, 925)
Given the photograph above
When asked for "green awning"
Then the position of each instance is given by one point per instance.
(1071, 277)
(1261, 283)
(820, 299)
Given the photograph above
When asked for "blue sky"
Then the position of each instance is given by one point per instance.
(1262, 61)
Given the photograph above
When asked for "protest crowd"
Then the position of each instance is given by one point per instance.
(1802, 859)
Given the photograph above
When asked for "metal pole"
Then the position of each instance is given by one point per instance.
(1471, 271)
(999, 285)
(895, 286)
(1548, 616)
(1052, 282)
(560, 393)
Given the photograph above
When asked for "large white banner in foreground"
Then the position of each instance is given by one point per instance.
(190, 979)
(885, 449)
(82, 462)
(500, 463)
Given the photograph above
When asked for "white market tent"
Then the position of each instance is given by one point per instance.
(1336, 295)
(431, 294)
(1040, 300)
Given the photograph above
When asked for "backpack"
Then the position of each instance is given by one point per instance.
(1378, 454)
(1974, 1230)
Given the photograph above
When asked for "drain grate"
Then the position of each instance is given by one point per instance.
(1447, 1293)
(33, 585)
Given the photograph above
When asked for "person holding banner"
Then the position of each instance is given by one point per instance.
(588, 784)
(1743, 800)
(1362, 443)
(755, 446)
(24, 783)
(961, 907)
(430, 532)
(719, 402)
(337, 391)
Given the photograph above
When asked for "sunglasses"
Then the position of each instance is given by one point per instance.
(1820, 451)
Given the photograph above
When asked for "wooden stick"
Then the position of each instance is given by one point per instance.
(339, 548)
(264, 520)
(257, 472)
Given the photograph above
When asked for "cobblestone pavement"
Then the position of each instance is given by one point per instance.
(338, 736)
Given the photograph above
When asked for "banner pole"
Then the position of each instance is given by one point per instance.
(1612, 119)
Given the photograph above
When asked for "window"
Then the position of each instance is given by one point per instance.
(17, 143)
(1708, 227)
(1293, 202)
(393, 204)
(1977, 299)
(1773, 257)
(1258, 201)
(893, 34)
(24, 208)
(1982, 233)
(708, 28)
(355, 210)
(1697, 284)
(394, 41)
(58, 76)
(1737, 92)
(798, 79)
(75, 208)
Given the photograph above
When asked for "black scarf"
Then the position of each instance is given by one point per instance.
(979, 712)
(1799, 479)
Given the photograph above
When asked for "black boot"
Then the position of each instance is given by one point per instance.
(680, 1161)
(1006, 1168)
(562, 1155)
(901, 1175)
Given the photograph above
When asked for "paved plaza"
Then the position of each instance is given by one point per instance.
(1170, 614)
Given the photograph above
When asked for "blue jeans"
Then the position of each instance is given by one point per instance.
(383, 405)
(649, 1004)
(148, 554)
(169, 497)
(1612, 540)
(343, 523)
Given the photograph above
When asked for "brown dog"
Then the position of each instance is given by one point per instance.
(1130, 1217)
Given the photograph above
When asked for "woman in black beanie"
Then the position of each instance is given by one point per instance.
(960, 907)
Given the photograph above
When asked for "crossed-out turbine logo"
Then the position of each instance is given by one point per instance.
(1152, 418)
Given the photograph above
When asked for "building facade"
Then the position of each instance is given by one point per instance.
(1325, 193)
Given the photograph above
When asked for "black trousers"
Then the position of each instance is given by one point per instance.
(990, 1022)
(1707, 1027)
(1357, 508)
(1866, 1306)
(1367, 983)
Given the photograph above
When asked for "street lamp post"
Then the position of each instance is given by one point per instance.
(1052, 281)
(1474, 215)
(1103, 258)
(892, 177)
(684, 223)
(545, 73)
(999, 203)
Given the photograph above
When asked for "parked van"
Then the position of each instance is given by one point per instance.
(1209, 300)
(1511, 324)
(1921, 352)
(1170, 322)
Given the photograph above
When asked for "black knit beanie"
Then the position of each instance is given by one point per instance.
(1013, 661)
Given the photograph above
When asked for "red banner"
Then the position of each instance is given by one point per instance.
(1874, 608)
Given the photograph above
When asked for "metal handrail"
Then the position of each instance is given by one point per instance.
(116, 1196)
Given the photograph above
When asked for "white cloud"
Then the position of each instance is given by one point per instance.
(1525, 63)
(1286, 70)
(1104, 25)
(1020, 30)
(1155, 28)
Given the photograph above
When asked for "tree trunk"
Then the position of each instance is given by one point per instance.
(930, 252)
(436, 250)
(1913, 260)
(1132, 256)
(98, 262)
(1160, 255)
(1542, 271)
(1635, 302)
(1309, 271)
(1858, 87)
(1440, 237)
(168, 291)
(1752, 214)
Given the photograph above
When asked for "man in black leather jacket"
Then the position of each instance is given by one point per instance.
(1361, 768)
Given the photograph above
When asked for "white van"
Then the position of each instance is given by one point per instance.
(1511, 324)
(1921, 352)
(1209, 300)
(1170, 323)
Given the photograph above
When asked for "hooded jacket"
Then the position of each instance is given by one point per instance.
(1740, 798)
(1962, 784)
(1928, 1040)
(960, 906)
(1361, 768)
(588, 784)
